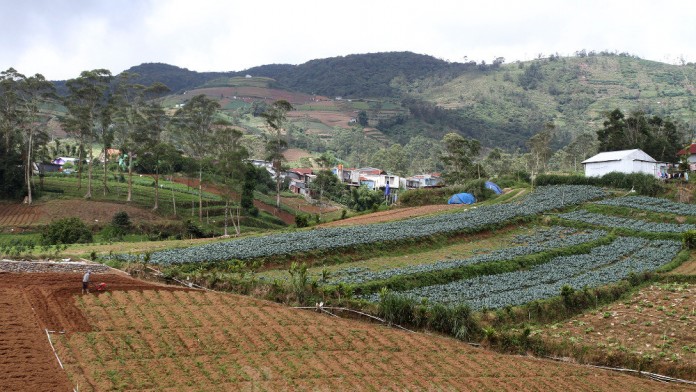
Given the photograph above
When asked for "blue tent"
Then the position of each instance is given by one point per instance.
(494, 187)
(462, 198)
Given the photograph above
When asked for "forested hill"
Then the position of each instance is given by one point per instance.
(358, 75)
(177, 79)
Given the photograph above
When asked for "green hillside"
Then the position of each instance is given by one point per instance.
(499, 104)
(573, 93)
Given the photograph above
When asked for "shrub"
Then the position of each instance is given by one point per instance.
(66, 231)
(422, 197)
(301, 220)
(643, 184)
(690, 239)
(111, 232)
(122, 221)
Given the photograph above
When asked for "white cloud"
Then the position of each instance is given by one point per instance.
(61, 38)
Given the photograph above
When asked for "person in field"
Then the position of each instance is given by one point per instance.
(85, 281)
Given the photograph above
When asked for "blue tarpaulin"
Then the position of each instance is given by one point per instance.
(462, 198)
(495, 188)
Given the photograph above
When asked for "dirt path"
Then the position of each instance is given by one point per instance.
(395, 214)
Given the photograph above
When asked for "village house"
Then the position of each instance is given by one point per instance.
(624, 161)
(690, 152)
(432, 180)
(370, 177)
(299, 181)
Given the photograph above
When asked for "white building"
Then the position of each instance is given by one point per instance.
(625, 161)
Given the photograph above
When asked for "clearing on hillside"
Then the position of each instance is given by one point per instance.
(139, 336)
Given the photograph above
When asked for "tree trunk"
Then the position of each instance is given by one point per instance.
(27, 171)
(156, 190)
(227, 204)
(173, 201)
(278, 186)
(200, 194)
(106, 161)
(79, 165)
(88, 195)
(130, 176)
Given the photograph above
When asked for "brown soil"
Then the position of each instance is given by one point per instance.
(30, 304)
(300, 204)
(16, 217)
(688, 268)
(657, 324)
(392, 215)
(295, 154)
(140, 336)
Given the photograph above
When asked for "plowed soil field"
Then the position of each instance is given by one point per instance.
(17, 216)
(139, 336)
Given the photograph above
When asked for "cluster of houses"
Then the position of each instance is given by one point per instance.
(370, 177)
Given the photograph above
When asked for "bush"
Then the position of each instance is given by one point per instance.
(301, 220)
(690, 239)
(423, 197)
(121, 221)
(643, 184)
(111, 232)
(66, 231)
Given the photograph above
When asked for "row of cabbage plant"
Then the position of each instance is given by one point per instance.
(543, 199)
(603, 265)
(654, 204)
(626, 223)
(543, 240)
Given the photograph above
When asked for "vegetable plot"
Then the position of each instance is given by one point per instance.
(603, 265)
(653, 204)
(543, 240)
(544, 199)
(626, 223)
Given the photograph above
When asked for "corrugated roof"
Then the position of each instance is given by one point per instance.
(688, 150)
(635, 154)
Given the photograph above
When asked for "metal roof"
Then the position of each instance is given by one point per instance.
(633, 155)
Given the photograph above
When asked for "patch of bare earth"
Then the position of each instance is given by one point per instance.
(92, 212)
(656, 325)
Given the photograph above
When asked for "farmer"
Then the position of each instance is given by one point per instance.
(85, 281)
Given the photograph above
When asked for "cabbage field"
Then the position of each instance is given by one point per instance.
(603, 265)
(475, 219)
(626, 223)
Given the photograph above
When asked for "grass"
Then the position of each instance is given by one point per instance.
(417, 255)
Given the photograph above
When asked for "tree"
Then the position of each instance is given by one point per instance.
(132, 116)
(23, 130)
(194, 124)
(276, 145)
(327, 183)
(423, 155)
(612, 136)
(458, 157)
(540, 149)
(583, 147)
(230, 156)
(393, 159)
(86, 103)
(661, 139)
(362, 118)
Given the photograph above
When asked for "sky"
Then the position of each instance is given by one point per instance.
(61, 38)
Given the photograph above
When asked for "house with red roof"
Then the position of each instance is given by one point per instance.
(690, 152)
